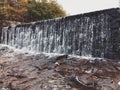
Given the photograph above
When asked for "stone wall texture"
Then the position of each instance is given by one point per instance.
(95, 34)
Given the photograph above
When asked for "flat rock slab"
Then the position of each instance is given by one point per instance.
(26, 71)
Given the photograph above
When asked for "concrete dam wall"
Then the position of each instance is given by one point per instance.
(95, 34)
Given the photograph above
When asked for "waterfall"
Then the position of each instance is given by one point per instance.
(84, 35)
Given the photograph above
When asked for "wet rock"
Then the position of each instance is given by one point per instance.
(40, 72)
(62, 57)
(84, 80)
(17, 76)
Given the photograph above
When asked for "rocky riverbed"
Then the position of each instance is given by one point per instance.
(20, 70)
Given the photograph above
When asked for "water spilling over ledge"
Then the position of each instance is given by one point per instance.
(95, 34)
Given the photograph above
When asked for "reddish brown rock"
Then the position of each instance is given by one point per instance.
(23, 71)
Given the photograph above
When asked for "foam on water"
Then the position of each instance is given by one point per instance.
(23, 51)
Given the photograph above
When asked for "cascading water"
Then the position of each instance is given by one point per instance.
(84, 35)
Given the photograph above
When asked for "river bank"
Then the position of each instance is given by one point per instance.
(28, 71)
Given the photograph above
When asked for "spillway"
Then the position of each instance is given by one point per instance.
(95, 34)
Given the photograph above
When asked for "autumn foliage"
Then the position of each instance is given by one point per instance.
(30, 10)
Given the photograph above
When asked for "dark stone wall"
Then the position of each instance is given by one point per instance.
(96, 34)
(115, 33)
